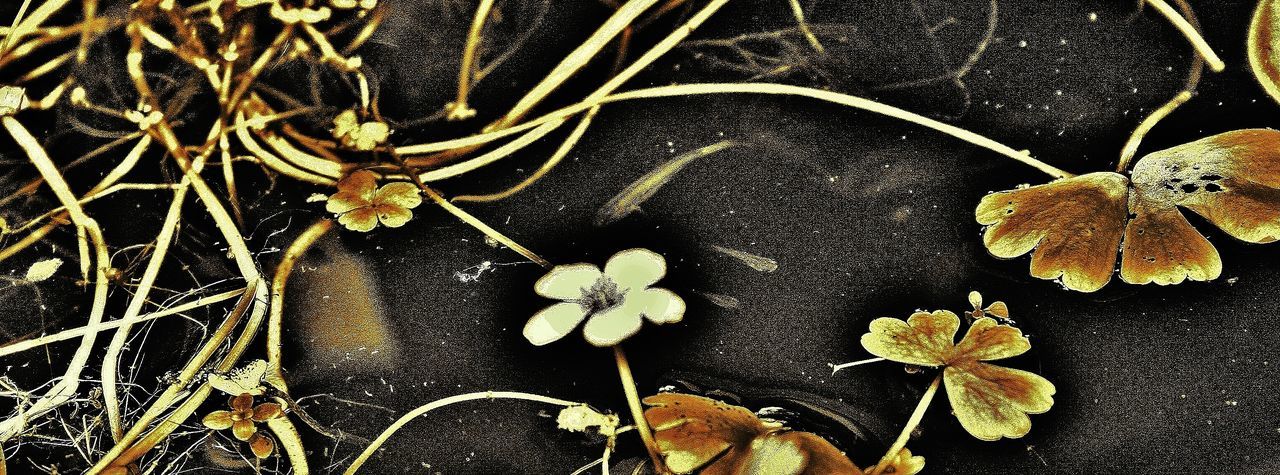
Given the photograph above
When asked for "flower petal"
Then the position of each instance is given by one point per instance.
(553, 323)
(1074, 225)
(393, 216)
(243, 402)
(360, 219)
(402, 194)
(987, 340)
(243, 429)
(218, 420)
(267, 410)
(1232, 179)
(658, 305)
(993, 401)
(925, 339)
(567, 282)
(1161, 246)
(635, 268)
(261, 445)
(610, 326)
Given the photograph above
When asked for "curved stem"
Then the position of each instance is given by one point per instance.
(68, 384)
(437, 404)
(1135, 139)
(914, 421)
(111, 360)
(1201, 46)
(556, 157)
(680, 90)
(289, 438)
(275, 319)
(637, 411)
(1130, 149)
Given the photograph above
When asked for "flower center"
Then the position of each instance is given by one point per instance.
(602, 295)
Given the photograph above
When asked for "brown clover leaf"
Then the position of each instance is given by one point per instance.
(360, 204)
(698, 434)
(989, 401)
(1076, 225)
(242, 419)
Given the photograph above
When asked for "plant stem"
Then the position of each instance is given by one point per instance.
(681, 90)
(437, 404)
(459, 109)
(1130, 149)
(914, 421)
(637, 411)
(275, 319)
(835, 368)
(1197, 42)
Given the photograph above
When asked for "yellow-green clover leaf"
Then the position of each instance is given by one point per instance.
(990, 401)
(614, 302)
(363, 136)
(360, 204)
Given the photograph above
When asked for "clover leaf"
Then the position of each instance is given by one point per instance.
(990, 401)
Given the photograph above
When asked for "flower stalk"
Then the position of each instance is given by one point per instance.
(637, 411)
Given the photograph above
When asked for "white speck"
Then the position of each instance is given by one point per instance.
(1093, 16)
(1022, 43)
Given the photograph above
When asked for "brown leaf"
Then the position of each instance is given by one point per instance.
(1161, 246)
(993, 401)
(1264, 59)
(698, 434)
(1074, 225)
(691, 431)
(1232, 179)
(261, 445)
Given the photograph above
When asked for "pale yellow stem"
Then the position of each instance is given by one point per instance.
(411, 415)
(637, 410)
(1197, 42)
(912, 423)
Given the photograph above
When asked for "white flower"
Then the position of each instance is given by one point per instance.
(612, 301)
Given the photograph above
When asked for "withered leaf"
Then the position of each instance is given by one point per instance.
(1231, 179)
(1074, 225)
(710, 437)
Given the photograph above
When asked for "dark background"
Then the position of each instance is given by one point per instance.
(866, 216)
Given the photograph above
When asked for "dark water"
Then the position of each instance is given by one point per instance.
(865, 216)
